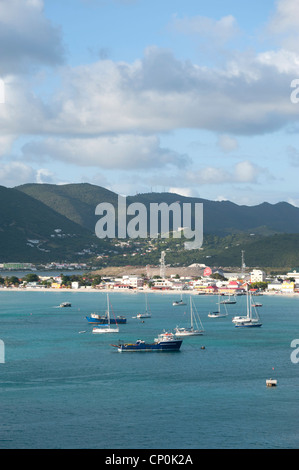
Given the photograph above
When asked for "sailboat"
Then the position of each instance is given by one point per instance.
(218, 314)
(193, 330)
(229, 301)
(251, 320)
(178, 303)
(106, 328)
(145, 314)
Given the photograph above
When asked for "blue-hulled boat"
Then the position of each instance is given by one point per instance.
(103, 319)
(97, 319)
(164, 343)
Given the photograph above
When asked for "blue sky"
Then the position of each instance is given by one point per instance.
(183, 96)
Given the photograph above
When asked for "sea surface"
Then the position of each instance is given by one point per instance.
(63, 387)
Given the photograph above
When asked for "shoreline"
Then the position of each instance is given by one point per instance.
(130, 291)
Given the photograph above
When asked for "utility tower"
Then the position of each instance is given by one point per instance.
(162, 265)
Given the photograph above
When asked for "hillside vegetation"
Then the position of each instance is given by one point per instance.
(46, 222)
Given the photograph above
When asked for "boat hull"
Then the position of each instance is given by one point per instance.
(163, 346)
(104, 320)
(214, 315)
(105, 330)
(248, 325)
(188, 332)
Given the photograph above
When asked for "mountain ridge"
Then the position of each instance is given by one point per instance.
(41, 223)
(30, 230)
(78, 202)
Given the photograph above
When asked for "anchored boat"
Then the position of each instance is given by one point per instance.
(195, 321)
(164, 342)
(218, 313)
(106, 328)
(271, 383)
(251, 320)
(147, 313)
(98, 319)
(178, 303)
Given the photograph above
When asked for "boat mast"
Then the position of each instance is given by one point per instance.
(145, 302)
(248, 309)
(108, 310)
(191, 312)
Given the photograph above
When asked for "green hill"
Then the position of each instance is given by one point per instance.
(77, 202)
(226, 217)
(31, 213)
(277, 251)
(32, 231)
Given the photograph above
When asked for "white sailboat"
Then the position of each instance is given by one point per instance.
(178, 303)
(219, 314)
(145, 314)
(106, 328)
(193, 330)
(251, 320)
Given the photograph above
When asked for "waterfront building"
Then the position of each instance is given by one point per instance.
(257, 275)
(294, 273)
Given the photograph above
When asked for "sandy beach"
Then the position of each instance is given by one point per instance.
(129, 291)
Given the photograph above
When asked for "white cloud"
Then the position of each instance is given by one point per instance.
(294, 202)
(227, 143)
(124, 152)
(242, 172)
(108, 114)
(29, 38)
(156, 94)
(15, 173)
(43, 175)
(219, 31)
(187, 192)
(286, 62)
(247, 172)
(285, 17)
(284, 24)
(6, 142)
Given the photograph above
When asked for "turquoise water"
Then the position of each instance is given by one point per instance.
(62, 389)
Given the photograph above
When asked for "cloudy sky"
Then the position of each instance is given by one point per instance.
(188, 96)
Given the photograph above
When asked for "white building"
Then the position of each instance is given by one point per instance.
(257, 276)
(132, 281)
(274, 285)
(294, 274)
